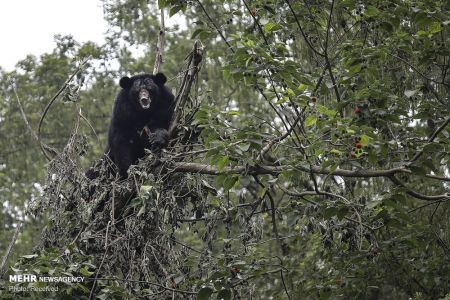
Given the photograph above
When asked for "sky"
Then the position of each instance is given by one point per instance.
(28, 26)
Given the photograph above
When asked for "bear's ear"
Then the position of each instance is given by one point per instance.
(160, 78)
(125, 82)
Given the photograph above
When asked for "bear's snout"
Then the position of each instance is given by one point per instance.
(144, 98)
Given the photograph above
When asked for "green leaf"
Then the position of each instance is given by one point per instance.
(310, 120)
(229, 182)
(301, 87)
(175, 9)
(364, 140)
(282, 100)
(326, 111)
(269, 27)
(435, 27)
(224, 295)
(418, 170)
(330, 212)
(421, 33)
(161, 3)
(422, 19)
(222, 162)
(342, 212)
(355, 69)
(371, 11)
(197, 32)
(205, 293)
(336, 151)
(433, 147)
(85, 272)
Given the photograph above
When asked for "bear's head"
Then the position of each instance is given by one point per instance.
(145, 88)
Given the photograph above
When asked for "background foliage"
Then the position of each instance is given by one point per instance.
(325, 125)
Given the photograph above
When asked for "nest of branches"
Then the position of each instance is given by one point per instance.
(128, 226)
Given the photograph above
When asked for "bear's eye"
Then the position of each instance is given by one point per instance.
(147, 81)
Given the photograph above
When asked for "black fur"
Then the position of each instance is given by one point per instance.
(134, 128)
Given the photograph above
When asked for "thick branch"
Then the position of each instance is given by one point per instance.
(195, 58)
(417, 194)
(161, 44)
(275, 170)
(188, 167)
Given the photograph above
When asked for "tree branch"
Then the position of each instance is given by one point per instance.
(215, 26)
(160, 46)
(10, 247)
(44, 147)
(430, 140)
(416, 194)
(417, 70)
(195, 58)
(277, 140)
(22, 112)
(302, 31)
(275, 170)
(149, 283)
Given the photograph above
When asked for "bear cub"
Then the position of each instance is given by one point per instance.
(141, 117)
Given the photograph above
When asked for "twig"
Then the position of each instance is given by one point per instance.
(257, 23)
(417, 71)
(430, 140)
(302, 31)
(256, 275)
(425, 205)
(148, 282)
(10, 247)
(328, 27)
(273, 107)
(33, 134)
(80, 113)
(277, 140)
(284, 285)
(44, 147)
(273, 212)
(215, 26)
(91, 295)
(327, 59)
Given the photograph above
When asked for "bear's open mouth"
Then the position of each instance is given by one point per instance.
(144, 98)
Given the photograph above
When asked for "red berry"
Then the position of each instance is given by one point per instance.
(357, 110)
(253, 12)
(358, 145)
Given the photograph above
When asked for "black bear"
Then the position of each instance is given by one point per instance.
(141, 117)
